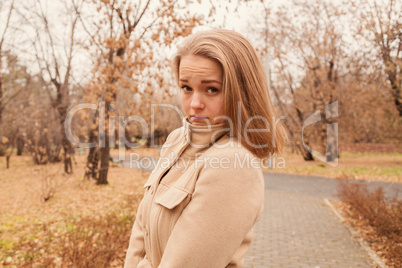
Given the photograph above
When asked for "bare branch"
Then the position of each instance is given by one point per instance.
(142, 14)
(10, 11)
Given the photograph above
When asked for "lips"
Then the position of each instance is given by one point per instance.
(198, 117)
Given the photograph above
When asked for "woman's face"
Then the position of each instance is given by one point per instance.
(200, 81)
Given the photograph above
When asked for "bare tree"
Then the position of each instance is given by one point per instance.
(380, 24)
(16, 81)
(8, 12)
(54, 56)
(306, 51)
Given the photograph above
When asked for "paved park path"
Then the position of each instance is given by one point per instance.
(298, 229)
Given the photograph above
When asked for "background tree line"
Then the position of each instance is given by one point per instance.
(57, 54)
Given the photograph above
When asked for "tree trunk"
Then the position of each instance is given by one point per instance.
(93, 155)
(62, 104)
(67, 151)
(104, 164)
(92, 159)
(307, 156)
(332, 142)
(396, 94)
(322, 136)
(392, 76)
(92, 164)
(20, 145)
(11, 149)
(8, 161)
(104, 150)
(1, 97)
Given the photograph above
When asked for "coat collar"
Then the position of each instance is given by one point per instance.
(192, 140)
(201, 137)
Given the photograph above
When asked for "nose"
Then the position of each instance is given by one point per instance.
(197, 102)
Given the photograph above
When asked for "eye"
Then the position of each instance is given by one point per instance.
(212, 90)
(186, 88)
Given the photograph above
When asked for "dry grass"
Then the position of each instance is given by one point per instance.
(372, 167)
(35, 233)
(71, 228)
(378, 220)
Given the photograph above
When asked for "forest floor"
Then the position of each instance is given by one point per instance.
(33, 232)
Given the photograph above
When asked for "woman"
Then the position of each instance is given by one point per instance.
(207, 191)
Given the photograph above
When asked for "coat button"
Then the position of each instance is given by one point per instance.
(146, 230)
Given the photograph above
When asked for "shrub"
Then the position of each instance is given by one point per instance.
(85, 241)
(383, 215)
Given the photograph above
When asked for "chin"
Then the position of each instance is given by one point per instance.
(199, 123)
(203, 121)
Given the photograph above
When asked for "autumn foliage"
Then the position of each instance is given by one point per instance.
(126, 53)
(380, 218)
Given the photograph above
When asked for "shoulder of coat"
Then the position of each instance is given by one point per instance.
(230, 154)
(231, 147)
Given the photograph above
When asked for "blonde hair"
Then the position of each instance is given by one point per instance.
(244, 86)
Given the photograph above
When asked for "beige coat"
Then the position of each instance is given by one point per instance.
(201, 213)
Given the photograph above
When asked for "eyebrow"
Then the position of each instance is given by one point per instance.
(203, 81)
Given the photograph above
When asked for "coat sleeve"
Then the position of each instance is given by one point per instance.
(135, 256)
(224, 207)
